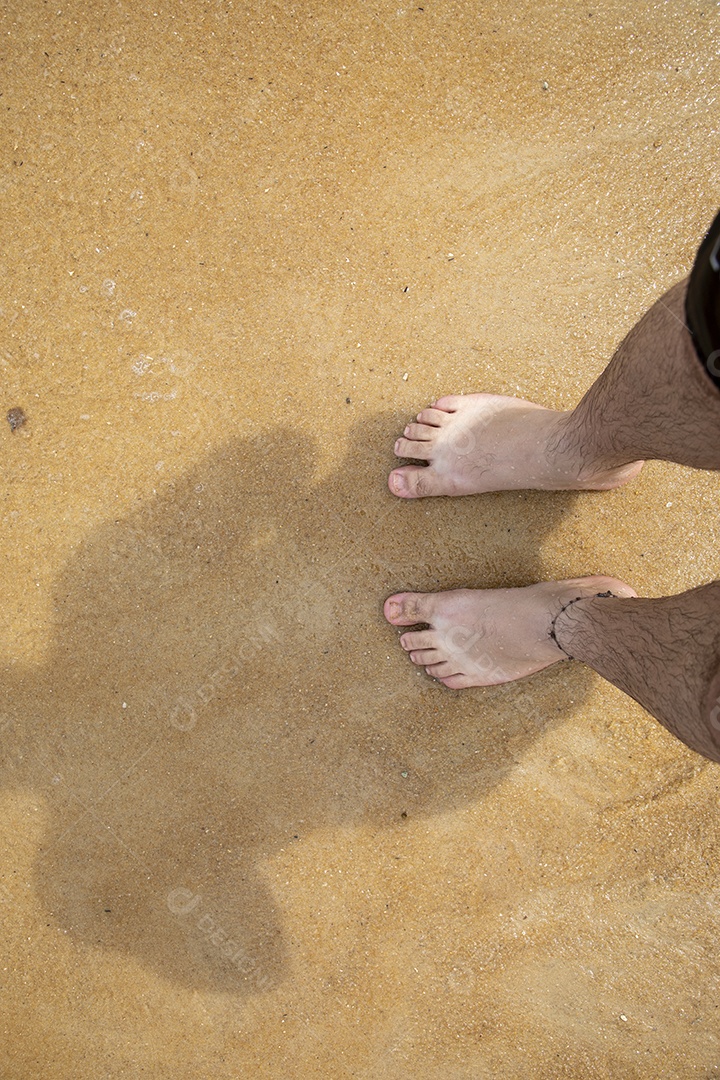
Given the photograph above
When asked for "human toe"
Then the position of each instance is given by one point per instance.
(442, 669)
(420, 432)
(414, 481)
(433, 417)
(423, 657)
(449, 403)
(406, 609)
(418, 639)
(413, 448)
(457, 682)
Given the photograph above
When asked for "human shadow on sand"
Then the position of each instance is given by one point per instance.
(222, 682)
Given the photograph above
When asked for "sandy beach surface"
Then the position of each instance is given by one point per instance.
(242, 245)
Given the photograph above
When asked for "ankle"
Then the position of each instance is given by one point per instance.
(573, 627)
(565, 447)
(572, 451)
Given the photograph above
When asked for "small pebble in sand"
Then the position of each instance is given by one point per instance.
(15, 417)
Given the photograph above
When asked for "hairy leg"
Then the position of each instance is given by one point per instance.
(664, 653)
(653, 400)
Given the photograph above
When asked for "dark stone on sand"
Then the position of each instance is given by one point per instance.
(15, 417)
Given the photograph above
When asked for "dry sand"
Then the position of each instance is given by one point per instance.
(242, 837)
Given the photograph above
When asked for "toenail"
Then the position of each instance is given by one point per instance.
(398, 482)
(393, 611)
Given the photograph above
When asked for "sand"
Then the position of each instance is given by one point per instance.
(242, 244)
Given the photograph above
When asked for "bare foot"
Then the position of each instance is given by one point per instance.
(483, 637)
(483, 442)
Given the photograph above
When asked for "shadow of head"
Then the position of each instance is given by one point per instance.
(222, 683)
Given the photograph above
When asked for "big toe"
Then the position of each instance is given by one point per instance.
(407, 609)
(414, 482)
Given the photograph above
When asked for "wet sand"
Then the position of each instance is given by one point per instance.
(242, 836)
